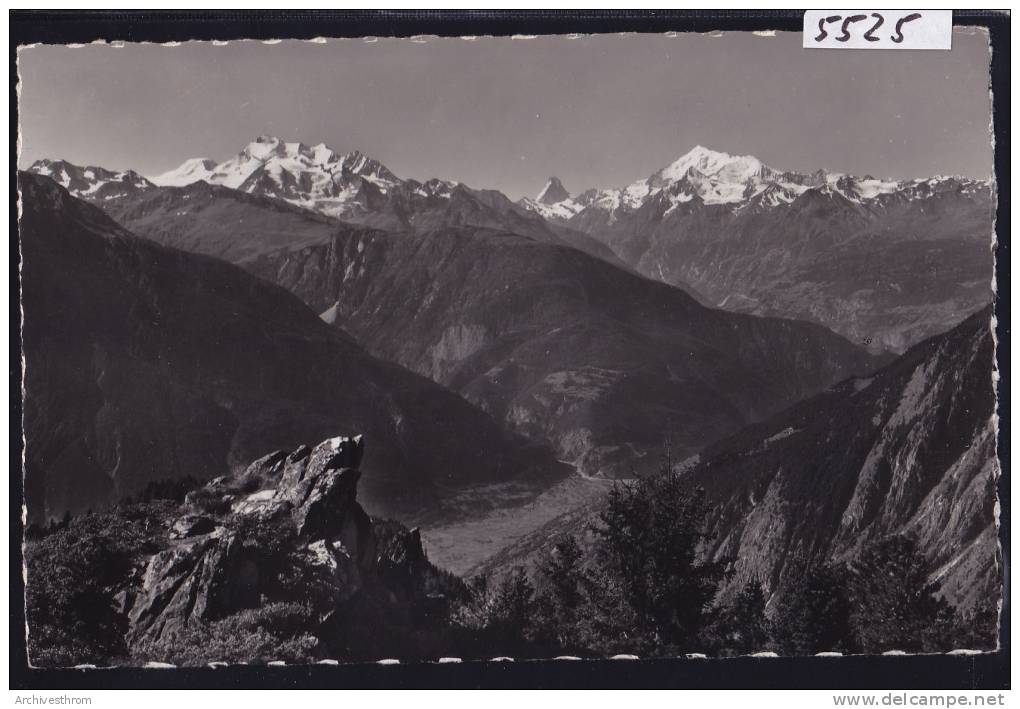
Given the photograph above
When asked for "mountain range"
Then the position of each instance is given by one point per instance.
(883, 262)
(561, 344)
(273, 174)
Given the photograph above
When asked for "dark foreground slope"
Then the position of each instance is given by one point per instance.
(145, 363)
(564, 347)
(909, 451)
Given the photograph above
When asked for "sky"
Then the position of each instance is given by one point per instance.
(596, 111)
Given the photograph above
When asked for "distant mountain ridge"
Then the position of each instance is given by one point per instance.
(740, 181)
(90, 182)
(191, 206)
(885, 263)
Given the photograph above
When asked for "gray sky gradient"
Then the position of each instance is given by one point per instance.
(597, 111)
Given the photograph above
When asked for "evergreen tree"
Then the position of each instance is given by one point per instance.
(508, 622)
(648, 539)
(561, 569)
(895, 605)
(498, 618)
(558, 606)
(742, 627)
(815, 614)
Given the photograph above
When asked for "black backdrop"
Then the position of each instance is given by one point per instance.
(987, 671)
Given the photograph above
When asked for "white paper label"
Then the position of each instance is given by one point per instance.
(878, 29)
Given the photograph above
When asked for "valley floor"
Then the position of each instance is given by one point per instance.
(461, 545)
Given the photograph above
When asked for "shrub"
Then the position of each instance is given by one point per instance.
(209, 501)
(171, 489)
(73, 575)
(276, 631)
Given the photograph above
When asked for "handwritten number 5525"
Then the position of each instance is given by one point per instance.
(844, 35)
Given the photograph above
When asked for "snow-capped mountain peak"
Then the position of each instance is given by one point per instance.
(189, 171)
(711, 177)
(553, 192)
(711, 163)
(90, 182)
(315, 177)
(716, 177)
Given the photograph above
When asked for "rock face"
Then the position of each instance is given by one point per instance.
(145, 364)
(910, 450)
(289, 528)
(553, 192)
(561, 346)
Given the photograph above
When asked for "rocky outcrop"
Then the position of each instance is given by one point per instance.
(289, 528)
(189, 582)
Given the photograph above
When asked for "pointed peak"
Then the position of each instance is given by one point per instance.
(553, 192)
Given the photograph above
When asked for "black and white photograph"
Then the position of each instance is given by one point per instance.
(500, 348)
